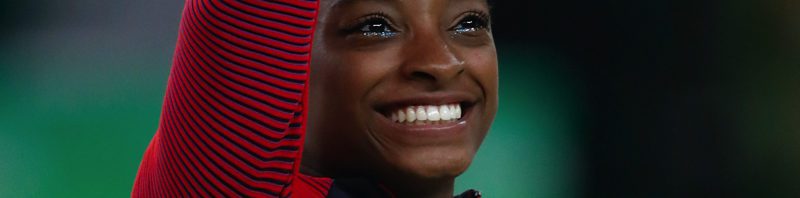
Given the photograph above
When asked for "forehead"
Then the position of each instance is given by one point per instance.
(338, 3)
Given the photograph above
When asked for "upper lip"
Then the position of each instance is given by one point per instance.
(426, 98)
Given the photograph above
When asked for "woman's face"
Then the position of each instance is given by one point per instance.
(377, 61)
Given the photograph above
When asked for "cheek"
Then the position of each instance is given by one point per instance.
(483, 68)
(349, 78)
(365, 72)
(483, 63)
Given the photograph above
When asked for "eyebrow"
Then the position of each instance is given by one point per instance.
(348, 2)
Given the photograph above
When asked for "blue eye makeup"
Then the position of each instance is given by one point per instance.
(472, 21)
(373, 26)
(378, 26)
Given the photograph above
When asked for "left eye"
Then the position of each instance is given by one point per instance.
(471, 24)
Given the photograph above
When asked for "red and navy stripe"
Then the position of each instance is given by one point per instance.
(233, 120)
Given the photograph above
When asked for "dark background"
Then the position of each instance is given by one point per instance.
(678, 98)
(600, 98)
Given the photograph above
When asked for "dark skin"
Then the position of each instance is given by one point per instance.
(370, 56)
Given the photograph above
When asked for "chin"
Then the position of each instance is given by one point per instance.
(430, 163)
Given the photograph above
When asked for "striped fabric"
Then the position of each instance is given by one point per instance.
(232, 123)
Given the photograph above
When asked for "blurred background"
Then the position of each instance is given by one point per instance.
(600, 98)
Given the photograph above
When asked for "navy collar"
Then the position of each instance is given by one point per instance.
(361, 188)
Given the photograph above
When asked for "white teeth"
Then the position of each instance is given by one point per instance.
(420, 114)
(411, 114)
(433, 113)
(444, 112)
(401, 116)
(453, 115)
(457, 111)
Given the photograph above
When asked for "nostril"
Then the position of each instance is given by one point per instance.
(422, 76)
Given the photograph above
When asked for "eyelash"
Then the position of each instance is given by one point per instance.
(379, 20)
(479, 20)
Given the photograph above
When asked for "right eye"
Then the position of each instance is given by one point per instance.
(374, 26)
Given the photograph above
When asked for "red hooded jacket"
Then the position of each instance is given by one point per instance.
(233, 119)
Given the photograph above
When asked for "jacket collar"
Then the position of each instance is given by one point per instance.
(358, 188)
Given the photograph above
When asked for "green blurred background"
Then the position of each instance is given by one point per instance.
(599, 98)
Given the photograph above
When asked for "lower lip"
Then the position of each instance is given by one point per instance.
(418, 132)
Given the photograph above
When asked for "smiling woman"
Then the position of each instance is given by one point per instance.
(399, 98)
(387, 78)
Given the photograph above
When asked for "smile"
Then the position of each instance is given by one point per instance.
(426, 114)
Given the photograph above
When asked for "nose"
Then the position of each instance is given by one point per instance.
(429, 58)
